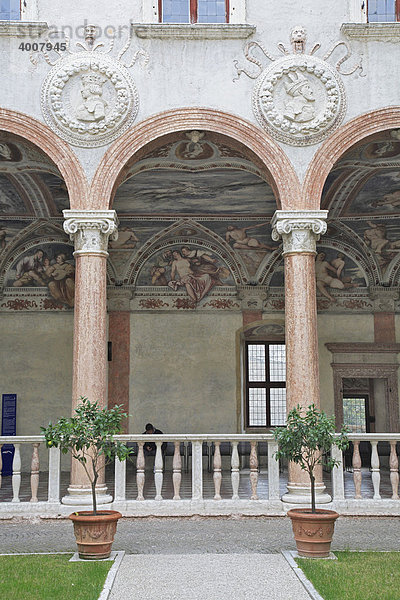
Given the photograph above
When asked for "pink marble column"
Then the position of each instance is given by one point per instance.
(300, 230)
(90, 231)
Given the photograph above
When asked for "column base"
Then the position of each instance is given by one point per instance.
(301, 494)
(79, 496)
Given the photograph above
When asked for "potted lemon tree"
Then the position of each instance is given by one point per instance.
(307, 440)
(88, 436)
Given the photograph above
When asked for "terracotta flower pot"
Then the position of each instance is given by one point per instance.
(95, 533)
(313, 531)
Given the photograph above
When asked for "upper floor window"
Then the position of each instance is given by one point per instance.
(193, 11)
(265, 384)
(380, 11)
(10, 10)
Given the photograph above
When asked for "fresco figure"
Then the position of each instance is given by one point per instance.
(3, 235)
(158, 271)
(330, 275)
(62, 280)
(197, 286)
(375, 237)
(126, 239)
(392, 199)
(29, 270)
(241, 240)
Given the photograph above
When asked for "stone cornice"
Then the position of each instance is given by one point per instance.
(379, 32)
(299, 229)
(199, 31)
(90, 230)
(21, 29)
(362, 347)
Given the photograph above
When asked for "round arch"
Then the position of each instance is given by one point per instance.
(335, 146)
(105, 180)
(55, 148)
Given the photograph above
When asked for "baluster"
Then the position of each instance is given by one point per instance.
(120, 479)
(158, 471)
(197, 470)
(376, 476)
(1, 463)
(235, 476)
(177, 470)
(357, 477)
(394, 470)
(337, 474)
(35, 472)
(217, 471)
(54, 474)
(16, 476)
(273, 471)
(140, 474)
(253, 470)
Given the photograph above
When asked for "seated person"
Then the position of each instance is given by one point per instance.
(150, 447)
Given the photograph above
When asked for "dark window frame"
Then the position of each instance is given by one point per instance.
(365, 397)
(267, 385)
(193, 12)
(397, 14)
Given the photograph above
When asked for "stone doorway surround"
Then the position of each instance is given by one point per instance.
(370, 360)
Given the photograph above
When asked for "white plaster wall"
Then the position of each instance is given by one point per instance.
(183, 372)
(338, 328)
(185, 73)
(36, 364)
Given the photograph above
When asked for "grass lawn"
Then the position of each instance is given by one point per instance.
(51, 577)
(355, 575)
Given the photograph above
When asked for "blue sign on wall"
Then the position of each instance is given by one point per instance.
(8, 427)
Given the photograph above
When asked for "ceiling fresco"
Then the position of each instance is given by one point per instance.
(195, 211)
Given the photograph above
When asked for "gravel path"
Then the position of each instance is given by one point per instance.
(257, 535)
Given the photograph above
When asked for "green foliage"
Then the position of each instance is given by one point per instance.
(307, 440)
(88, 435)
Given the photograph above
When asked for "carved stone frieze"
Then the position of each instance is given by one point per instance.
(384, 298)
(300, 230)
(252, 297)
(299, 99)
(89, 97)
(91, 229)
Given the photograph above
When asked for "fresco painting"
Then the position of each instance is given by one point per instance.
(381, 193)
(48, 265)
(10, 201)
(9, 153)
(212, 192)
(58, 190)
(186, 267)
(333, 270)
(381, 236)
(8, 230)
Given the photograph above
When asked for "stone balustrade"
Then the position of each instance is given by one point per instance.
(205, 474)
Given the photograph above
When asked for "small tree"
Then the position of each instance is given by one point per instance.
(88, 435)
(307, 440)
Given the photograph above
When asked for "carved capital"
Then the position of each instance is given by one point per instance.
(384, 298)
(299, 229)
(252, 297)
(91, 229)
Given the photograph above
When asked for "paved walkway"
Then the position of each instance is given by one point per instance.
(207, 558)
(207, 577)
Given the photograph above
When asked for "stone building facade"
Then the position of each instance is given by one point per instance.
(187, 187)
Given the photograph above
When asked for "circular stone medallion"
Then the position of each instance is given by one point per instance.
(89, 99)
(299, 99)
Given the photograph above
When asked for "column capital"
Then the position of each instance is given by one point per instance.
(90, 230)
(299, 229)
